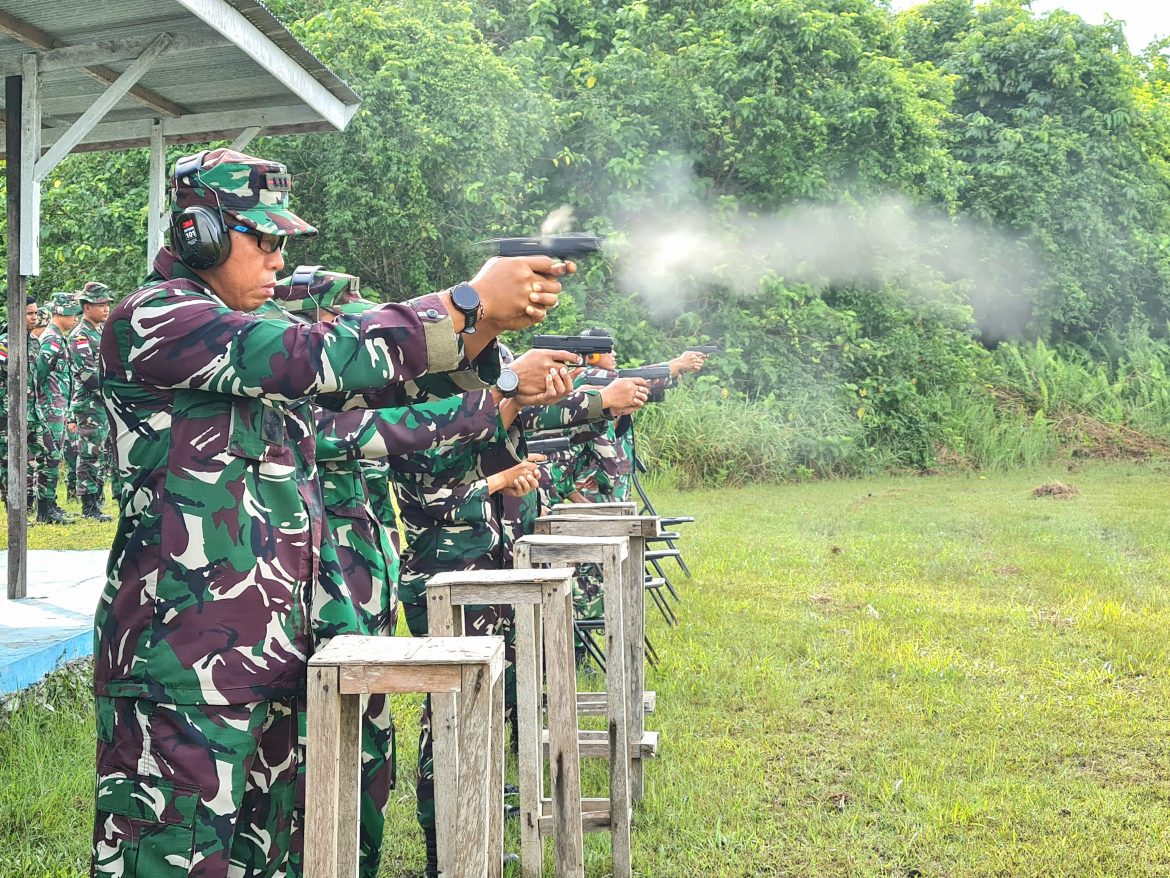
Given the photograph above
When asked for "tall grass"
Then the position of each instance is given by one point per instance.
(1032, 404)
(1134, 392)
(708, 436)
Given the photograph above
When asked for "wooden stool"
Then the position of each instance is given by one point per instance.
(465, 679)
(616, 508)
(543, 602)
(612, 555)
(636, 528)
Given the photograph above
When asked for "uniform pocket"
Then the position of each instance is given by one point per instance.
(258, 432)
(145, 826)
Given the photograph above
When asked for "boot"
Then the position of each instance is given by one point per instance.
(68, 516)
(432, 843)
(48, 512)
(91, 507)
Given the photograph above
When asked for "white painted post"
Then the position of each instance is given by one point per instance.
(158, 174)
(30, 152)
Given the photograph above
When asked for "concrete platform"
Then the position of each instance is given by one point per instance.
(54, 624)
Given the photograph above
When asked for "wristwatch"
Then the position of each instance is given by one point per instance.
(466, 300)
(508, 383)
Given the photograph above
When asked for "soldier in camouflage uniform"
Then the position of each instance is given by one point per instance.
(461, 511)
(88, 412)
(34, 443)
(54, 389)
(366, 552)
(221, 559)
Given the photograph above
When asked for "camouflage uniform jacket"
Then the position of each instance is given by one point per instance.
(53, 383)
(343, 441)
(34, 349)
(602, 460)
(450, 520)
(84, 343)
(221, 532)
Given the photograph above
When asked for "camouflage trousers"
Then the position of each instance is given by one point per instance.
(588, 593)
(478, 620)
(93, 453)
(36, 451)
(50, 472)
(70, 458)
(196, 790)
(364, 601)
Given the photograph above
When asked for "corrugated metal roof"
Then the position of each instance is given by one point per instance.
(204, 86)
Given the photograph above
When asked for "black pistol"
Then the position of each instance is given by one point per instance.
(544, 446)
(582, 345)
(707, 349)
(650, 373)
(570, 246)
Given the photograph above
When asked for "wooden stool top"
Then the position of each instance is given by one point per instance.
(547, 549)
(619, 508)
(408, 664)
(514, 586)
(599, 525)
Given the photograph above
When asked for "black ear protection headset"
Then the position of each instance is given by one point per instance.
(198, 233)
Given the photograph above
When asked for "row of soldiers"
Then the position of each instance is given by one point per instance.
(272, 439)
(67, 420)
(448, 477)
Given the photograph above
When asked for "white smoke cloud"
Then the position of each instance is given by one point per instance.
(681, 242)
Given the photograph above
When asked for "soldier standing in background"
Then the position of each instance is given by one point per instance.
(87, 411)
(54, 390)
(30, 322)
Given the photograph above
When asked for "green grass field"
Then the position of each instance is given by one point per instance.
(942, 677)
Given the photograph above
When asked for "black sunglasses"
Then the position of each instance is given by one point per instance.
(267, 243)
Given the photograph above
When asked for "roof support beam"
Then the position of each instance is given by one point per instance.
(202, 126)
(246, 137)
(100, 107)
(111, 51)
(36, 38)
(229, 22)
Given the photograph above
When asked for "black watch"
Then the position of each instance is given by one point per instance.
(508, 383)
(466, 300)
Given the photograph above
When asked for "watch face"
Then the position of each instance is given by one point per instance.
(465, 297)
(508, 382)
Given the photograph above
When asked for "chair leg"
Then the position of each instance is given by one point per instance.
(651, 653)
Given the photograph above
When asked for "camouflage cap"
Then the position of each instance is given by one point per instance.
(43, 316)
(94, 293)
(253, 191)
(64, 305)
(331, 290)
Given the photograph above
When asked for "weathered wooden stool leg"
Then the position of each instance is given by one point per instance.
(634, 613)
(495, 804)
(447, 768)
(564, 754)
(475, 739)
(617, 687)
(528, 726)
(322, 775)
(349, 779)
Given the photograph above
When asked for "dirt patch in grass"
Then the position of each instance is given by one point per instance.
(1055, 489)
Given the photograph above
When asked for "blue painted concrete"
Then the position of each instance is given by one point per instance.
(54, 624)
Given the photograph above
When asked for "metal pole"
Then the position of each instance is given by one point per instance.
(17, 352)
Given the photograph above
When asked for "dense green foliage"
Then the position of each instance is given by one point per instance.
(861, 205)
